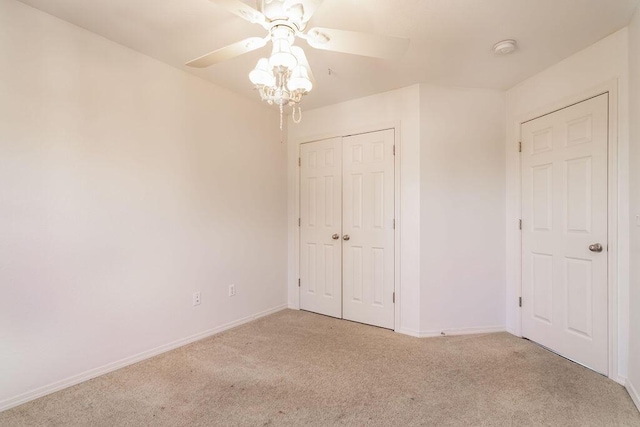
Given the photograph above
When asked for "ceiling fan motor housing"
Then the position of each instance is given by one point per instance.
(282, 37)
(286, 10)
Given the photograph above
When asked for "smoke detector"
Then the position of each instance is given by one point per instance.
(505, 47)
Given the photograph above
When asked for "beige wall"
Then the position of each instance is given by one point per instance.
(125, 186)
(634, 187)
(462, 218)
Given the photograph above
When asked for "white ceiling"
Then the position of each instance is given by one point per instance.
(451, 40)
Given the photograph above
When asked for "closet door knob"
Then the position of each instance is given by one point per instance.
(335, 236)
(596, 247)
(346, 237)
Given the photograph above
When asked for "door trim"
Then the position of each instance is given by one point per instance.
(396, 126)
(610, 88)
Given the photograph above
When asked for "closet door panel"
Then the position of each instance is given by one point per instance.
(368, 228)
(321, 227)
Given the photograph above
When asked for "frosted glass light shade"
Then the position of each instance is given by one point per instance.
(263, 74)
(281, 55)
(300, 80)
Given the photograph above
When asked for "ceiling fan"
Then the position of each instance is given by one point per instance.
(285, 77)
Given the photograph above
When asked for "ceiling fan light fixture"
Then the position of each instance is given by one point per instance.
(262, 75)
(281, 55)
(285, 77)
(299, 80)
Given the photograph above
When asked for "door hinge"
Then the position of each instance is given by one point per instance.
(394, 298)
(394, 223)
(520, 147)
(394, 150)
(520, 302)
(298, 282)
(520, 224)
(299, 222)
(299, 161)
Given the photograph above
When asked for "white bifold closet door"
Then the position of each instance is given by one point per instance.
(321, 227)
(367, 220)
(564, 233)
(347, 228)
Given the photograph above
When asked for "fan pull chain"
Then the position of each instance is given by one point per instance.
(281, 112)
(293, 114)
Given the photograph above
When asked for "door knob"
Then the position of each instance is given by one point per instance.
(346, 237)
(335, 236)
(596, 247)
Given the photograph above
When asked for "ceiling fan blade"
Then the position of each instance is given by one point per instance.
(243, 10)
(228, 52)
(357, 43)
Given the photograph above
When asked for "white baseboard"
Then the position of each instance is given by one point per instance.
(619, 379)
(451, 332)
(513, 332)
(96, 372)
(410, 332)
(463, 331)
(633, 393)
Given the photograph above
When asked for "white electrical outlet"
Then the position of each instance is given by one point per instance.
(232, 290)
(196, 298)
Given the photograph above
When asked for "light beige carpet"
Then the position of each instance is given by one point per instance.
(297, 368)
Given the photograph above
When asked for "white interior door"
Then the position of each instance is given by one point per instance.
(368, 228)
(564, 208)
(321, 227)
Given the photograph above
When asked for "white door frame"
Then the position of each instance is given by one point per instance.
(341, 134)
(611, 88)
